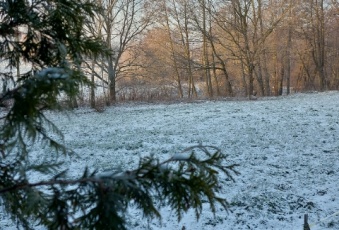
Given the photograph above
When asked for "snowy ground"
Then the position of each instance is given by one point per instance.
(287, 147)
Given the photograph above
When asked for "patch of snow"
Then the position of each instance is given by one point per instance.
(181, 157)
(52, 72)
(287, 148)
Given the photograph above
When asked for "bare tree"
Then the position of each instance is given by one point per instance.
(317, 39)
(182, 18)
(120, 23)
(230, 47)
(173, 53)
(244, 36)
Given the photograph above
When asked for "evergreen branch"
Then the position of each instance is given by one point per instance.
(182, 182)
(143, 172)
(50, 183)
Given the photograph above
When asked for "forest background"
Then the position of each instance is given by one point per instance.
(170, 49)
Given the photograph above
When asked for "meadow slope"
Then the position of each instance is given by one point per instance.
(287, 148)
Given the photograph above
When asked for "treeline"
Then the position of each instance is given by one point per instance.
(211, 48)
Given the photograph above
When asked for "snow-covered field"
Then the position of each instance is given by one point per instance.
(287, 148)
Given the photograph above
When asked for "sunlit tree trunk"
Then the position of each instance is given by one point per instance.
(185, 37)
(228, 86)
(319, 42)
(173, 54)
(263, 57)
(192, 91)
(215, 77)
(288, 60)
(205, 53)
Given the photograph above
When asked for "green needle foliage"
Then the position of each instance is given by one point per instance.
(47, 38)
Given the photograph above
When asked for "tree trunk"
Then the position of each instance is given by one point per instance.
(266, 89)
(205, 62)
(92, 95)
(228, 86)
(111, 77)
(260, 80)
(215, 75)
(184, 33)
(251, 79)
(288, 56)
(176, 68)
(244, 82)
(281, 80)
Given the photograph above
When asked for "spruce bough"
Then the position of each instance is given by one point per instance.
(47, 36)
